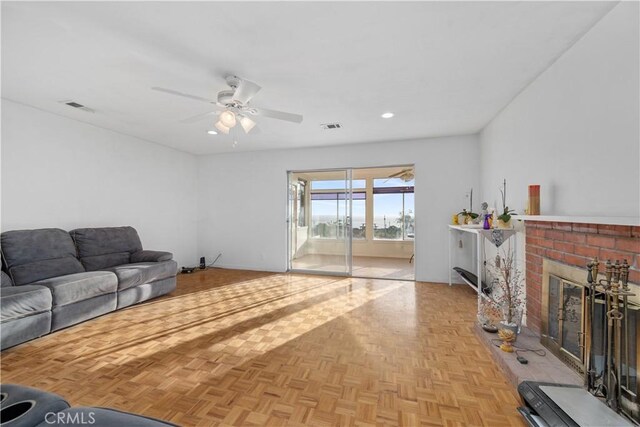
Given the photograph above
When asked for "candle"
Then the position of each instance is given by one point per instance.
(534, 200)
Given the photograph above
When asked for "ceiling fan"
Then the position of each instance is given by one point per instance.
(406, 175)
(232, 106)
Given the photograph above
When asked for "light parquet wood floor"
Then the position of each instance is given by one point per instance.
(251, 348)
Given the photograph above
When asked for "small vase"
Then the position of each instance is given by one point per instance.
(508, 333)
(508, 337)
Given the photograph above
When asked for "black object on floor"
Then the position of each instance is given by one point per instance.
(490, 328)
(472, 279)
(522, 360)
(548, 404)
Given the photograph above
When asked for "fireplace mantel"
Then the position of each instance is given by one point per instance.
(604, 220)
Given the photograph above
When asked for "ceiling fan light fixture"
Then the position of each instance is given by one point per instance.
(212, 132)
(221, 127)
(247, 124)
(228, 119)
(387, 115)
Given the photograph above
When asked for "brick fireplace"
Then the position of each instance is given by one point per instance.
(574, 244)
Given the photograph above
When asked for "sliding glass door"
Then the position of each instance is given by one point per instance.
(353, 222)
(319, 220)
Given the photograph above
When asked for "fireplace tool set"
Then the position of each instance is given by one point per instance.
(605, 380)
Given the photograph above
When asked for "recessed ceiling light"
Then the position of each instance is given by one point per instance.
(387, 115)
(212, 132)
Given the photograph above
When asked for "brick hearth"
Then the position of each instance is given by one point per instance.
(575, 244)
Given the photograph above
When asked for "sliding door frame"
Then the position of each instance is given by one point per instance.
(348, 220)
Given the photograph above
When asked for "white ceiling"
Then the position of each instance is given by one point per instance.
(444, 68)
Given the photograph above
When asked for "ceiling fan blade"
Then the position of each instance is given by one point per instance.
(280, 115)
(200, 117)
(245, 91)
(399, 173)
(184, 95)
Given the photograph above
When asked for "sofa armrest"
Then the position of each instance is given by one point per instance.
(6, 280)
(151, 256)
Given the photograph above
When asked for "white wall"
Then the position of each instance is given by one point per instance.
(58, 172)
(243, 197)
(574, 130)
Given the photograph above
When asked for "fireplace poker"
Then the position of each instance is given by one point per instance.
(624, 277)
(616, 291)
(608, 361)
(592, 374)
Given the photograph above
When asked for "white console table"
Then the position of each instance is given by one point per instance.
(480, 236)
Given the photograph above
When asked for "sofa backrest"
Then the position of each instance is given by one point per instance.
(32, 255)
(100, 248)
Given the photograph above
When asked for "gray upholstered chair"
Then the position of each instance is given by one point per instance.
(22, 406)
(101, 417)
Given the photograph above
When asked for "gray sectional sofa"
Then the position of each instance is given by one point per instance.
(54, 279)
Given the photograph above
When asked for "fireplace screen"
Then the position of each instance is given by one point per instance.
(576, 332)
(629, 377)
(565, 322)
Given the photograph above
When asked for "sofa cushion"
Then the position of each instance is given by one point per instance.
(22, 301)
(6, 280)
(79, 287)
(103, 262)
(151, 256)
(130, 275)
(101, 248)
(32, 255)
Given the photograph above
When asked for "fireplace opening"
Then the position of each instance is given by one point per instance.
(565, 322)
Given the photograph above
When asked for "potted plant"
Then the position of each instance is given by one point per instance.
(504, 219)
(467, 217)
(507, 291)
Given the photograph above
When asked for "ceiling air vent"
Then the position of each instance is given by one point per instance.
(327, 126)
(77, 105)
